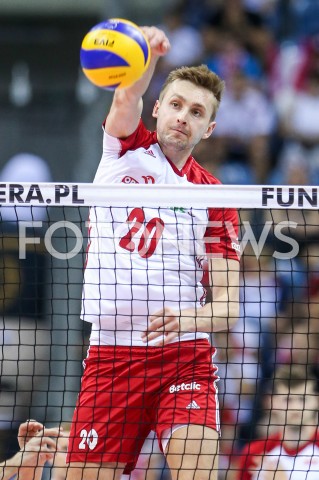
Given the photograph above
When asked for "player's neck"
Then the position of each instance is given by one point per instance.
(177, 157)
(294, 437)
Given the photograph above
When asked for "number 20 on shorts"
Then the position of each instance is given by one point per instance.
(89, 438)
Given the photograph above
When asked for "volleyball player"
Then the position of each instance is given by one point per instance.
(149, 364)
(293, 452)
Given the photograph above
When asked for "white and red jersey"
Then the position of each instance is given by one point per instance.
(140, 260)
(298, 464)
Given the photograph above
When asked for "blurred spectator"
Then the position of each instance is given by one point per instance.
(245, 123)
(309, 62)
(262, 7)
(186, 49)
(186, 41)
(260, 294)
(247, 24)
(232, 57)
(212, 42)
(196, 13)
(24, 349)
(310, 256)
(292, 20)
(240, 357)
(300, 342)
(24, 372)
(298, 115)
(293, 451)
(232, 16)
(283, 69)
(24, 167)
(296, 228)
(292, 169)
(22, 265)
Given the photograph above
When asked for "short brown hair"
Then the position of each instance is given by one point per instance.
(291, 376)
(200, 76)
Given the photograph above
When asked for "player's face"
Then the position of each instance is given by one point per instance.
(184, 115)
(297, 406)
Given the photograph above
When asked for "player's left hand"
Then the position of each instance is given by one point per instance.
(165, 325)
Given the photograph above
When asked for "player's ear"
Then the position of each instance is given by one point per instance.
(210, 129)
(155, 109)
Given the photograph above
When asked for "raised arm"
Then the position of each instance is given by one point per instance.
(127, 105)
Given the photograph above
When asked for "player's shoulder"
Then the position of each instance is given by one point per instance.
(251, 451)
(199, 175)
(263, 445)
(140, 138)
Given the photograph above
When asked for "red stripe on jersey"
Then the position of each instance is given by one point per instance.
(140, 138)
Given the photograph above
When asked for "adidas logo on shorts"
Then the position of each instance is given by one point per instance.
(193, 404)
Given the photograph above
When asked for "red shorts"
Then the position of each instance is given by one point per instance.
(128, 391)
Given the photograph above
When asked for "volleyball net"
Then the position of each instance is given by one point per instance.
(137, 234)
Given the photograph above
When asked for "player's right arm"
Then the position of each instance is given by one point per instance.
(127, 105)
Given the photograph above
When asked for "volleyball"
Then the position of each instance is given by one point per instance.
(114, 54)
